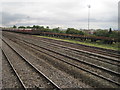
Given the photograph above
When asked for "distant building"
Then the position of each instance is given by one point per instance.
(91, 31)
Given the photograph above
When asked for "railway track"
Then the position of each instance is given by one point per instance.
(78, 52)
(15, 72)
(87, 50)
(61, 78)
(25, 86)
(102, 51)
(73, 56)
(93, 73)
(9, 77)
(88, 54)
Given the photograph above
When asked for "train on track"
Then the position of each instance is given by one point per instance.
(106, 40)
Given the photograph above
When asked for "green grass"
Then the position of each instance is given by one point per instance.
(106, 46)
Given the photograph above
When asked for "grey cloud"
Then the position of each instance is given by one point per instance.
(7, 18)
(58, 12)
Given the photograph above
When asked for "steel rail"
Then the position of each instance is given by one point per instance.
(78, 60)
(93, 73)
(77, 50)
(116, 64)
(24, 87)
(55, 85)
(91, 47)
(87, 52)
(90, 53)
(93, 54)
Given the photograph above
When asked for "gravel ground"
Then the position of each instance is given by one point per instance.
(76, 63)
(84, 56)
(81, 56)
(62, 79)
(85, 66)
(81, 47)
(9, 79)
(95, 50)
(53, 53)
(104, 83)
(28, 75)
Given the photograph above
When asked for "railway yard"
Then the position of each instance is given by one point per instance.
(35, 62)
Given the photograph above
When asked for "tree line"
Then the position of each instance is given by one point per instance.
(102, 33)
(54, 30)
(107, 33)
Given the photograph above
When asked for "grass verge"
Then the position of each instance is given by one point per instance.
(106, 46)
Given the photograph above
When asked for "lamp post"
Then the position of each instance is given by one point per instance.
(89, 16)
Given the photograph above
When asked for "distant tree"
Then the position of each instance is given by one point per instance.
(103, 33)
(37, 27)
(56, 30)
(21, 27)
(74, 31)
(106, 33)
(14, 26)
(62, 31)
(28, 27)
(115, 34)
(81, 33)
(110, 30)
(47, 30)
(33, 26)
(70, 31)
(41, 27)
(47, 27)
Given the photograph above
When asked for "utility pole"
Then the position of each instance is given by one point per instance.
(89, 16)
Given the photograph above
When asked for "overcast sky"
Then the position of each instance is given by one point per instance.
(60, 13)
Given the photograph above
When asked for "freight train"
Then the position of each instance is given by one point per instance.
(107, 40)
